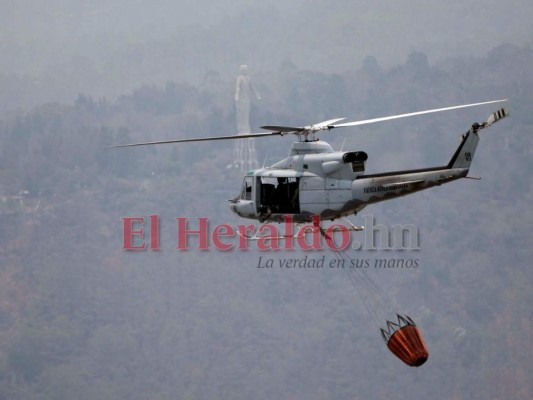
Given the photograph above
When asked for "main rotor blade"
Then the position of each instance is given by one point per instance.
(325, 124)
(284, 129)
(281, 130)
(294, 129)
(204, 139)
(373, 120)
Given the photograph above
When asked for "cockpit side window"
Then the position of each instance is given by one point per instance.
(246, 193)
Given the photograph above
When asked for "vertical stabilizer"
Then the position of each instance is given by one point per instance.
(465, 152)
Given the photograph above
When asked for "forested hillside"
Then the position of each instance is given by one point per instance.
(81, 318)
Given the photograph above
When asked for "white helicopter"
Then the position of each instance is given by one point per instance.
(314, 180)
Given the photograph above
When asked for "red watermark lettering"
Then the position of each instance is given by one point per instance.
(220, 231)
(202, 232)
(314, 230)
(330, 237)
(268, 236)
(268, 240)
(132, 228)
(289, 232)
(243, 235)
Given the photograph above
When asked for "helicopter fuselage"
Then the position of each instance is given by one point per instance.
(316, 180)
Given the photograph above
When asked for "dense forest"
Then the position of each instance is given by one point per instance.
(81, 318)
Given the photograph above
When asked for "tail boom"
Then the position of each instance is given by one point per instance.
(368, 189)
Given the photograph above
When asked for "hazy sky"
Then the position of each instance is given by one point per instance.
(36, 34)
(60, 48)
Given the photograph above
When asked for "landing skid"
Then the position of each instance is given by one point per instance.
(352, 227)
(308, 229)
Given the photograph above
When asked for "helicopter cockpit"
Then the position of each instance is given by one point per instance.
(267, 195)
(246, 193)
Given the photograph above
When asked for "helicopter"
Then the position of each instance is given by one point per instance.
(316, 183)
(314, 180)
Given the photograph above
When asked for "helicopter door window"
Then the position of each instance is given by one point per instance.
(246, 193)
(280, 195)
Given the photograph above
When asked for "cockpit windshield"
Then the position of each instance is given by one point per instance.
(246, 193)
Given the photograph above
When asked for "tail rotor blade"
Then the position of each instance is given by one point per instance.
(494, 117)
